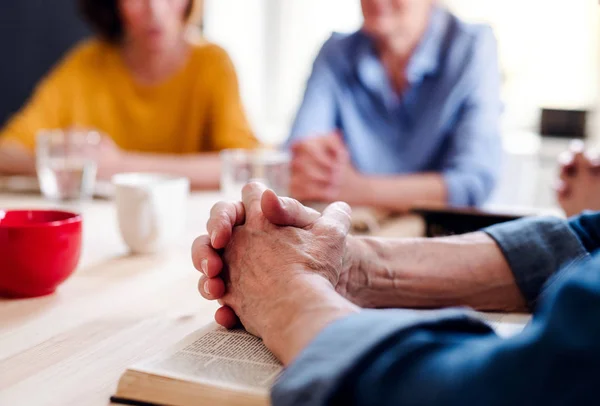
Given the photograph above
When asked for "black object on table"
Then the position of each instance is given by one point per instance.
(443, 222)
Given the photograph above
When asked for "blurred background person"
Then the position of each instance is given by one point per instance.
(165, 99)
(578, 188)
(405, 110)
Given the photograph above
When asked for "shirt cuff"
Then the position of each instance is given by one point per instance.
(536, 249)
(587, 228)
(321, 368)
(466, 189)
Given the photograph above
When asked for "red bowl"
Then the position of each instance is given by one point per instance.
(38, 251)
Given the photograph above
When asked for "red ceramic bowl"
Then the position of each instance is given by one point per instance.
(38, 251)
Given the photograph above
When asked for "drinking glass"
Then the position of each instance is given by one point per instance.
(66, 164)
(242, 166)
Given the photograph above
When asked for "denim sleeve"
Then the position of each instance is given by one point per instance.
(472, 162)
(587, 228)
(317, 374)
(536, 249)
(384, 357)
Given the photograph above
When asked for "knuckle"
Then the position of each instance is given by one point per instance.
(219, 207)
(251, 186)
(292, 207)
(223, 219)
(200, 243)
(334, 229)
(338, 232)
(326, 226)
(343, 208)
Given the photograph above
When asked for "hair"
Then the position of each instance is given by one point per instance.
(105, 19)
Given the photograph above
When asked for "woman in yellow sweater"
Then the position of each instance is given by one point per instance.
(165, 100)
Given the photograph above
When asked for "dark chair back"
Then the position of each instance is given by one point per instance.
(34, 35)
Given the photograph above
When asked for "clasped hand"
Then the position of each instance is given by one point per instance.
(265, 257)
(322, 170)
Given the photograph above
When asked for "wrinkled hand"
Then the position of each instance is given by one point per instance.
(320, 169)
(266, 262)
(579, 186)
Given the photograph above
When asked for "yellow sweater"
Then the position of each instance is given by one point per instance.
(198, 109)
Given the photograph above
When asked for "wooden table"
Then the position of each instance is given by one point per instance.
(70, 348)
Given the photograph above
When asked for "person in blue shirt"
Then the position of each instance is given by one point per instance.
(405, 110)
(295, 278)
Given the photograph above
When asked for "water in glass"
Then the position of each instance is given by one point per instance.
(240, 167)
(62, 179)
(65, 164)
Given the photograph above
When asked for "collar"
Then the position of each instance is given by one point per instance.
(424, 61)
(426, 58)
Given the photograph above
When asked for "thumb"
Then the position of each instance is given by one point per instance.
(338, 215)
(283, 211)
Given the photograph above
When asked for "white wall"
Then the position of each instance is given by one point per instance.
(273, 43)
(548, 51)
(308, 24)
(240, 26)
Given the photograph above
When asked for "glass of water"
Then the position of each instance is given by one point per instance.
(240, 166)
(66, 163)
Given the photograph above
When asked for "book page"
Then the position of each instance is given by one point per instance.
(214, 355)
(235, 359)
(505, 324)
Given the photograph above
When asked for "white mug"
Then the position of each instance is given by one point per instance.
(151, 209)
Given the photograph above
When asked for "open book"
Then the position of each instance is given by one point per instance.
(214, 366)
(505, 325)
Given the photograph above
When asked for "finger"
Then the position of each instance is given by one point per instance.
(251, 196)
(567, 174)
(224, 216)
(339, 215)
(577, 146)
(308, 168)
(594, 167)
(315, 153)
(211, 289)
(571, 163)
(591, 160)
(562, 189)
(226, 317)
(563, 198)
(566, 159)
(336, 147)
(283, 211)
(580, 162)
(205, 258)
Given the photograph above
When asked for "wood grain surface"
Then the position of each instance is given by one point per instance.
(70, 348)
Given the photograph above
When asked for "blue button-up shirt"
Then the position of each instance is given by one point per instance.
(447, 120)
(391, 357)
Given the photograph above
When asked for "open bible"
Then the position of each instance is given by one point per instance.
(212, 366)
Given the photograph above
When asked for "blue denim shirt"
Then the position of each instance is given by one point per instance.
(447, 121)
(394, 357)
